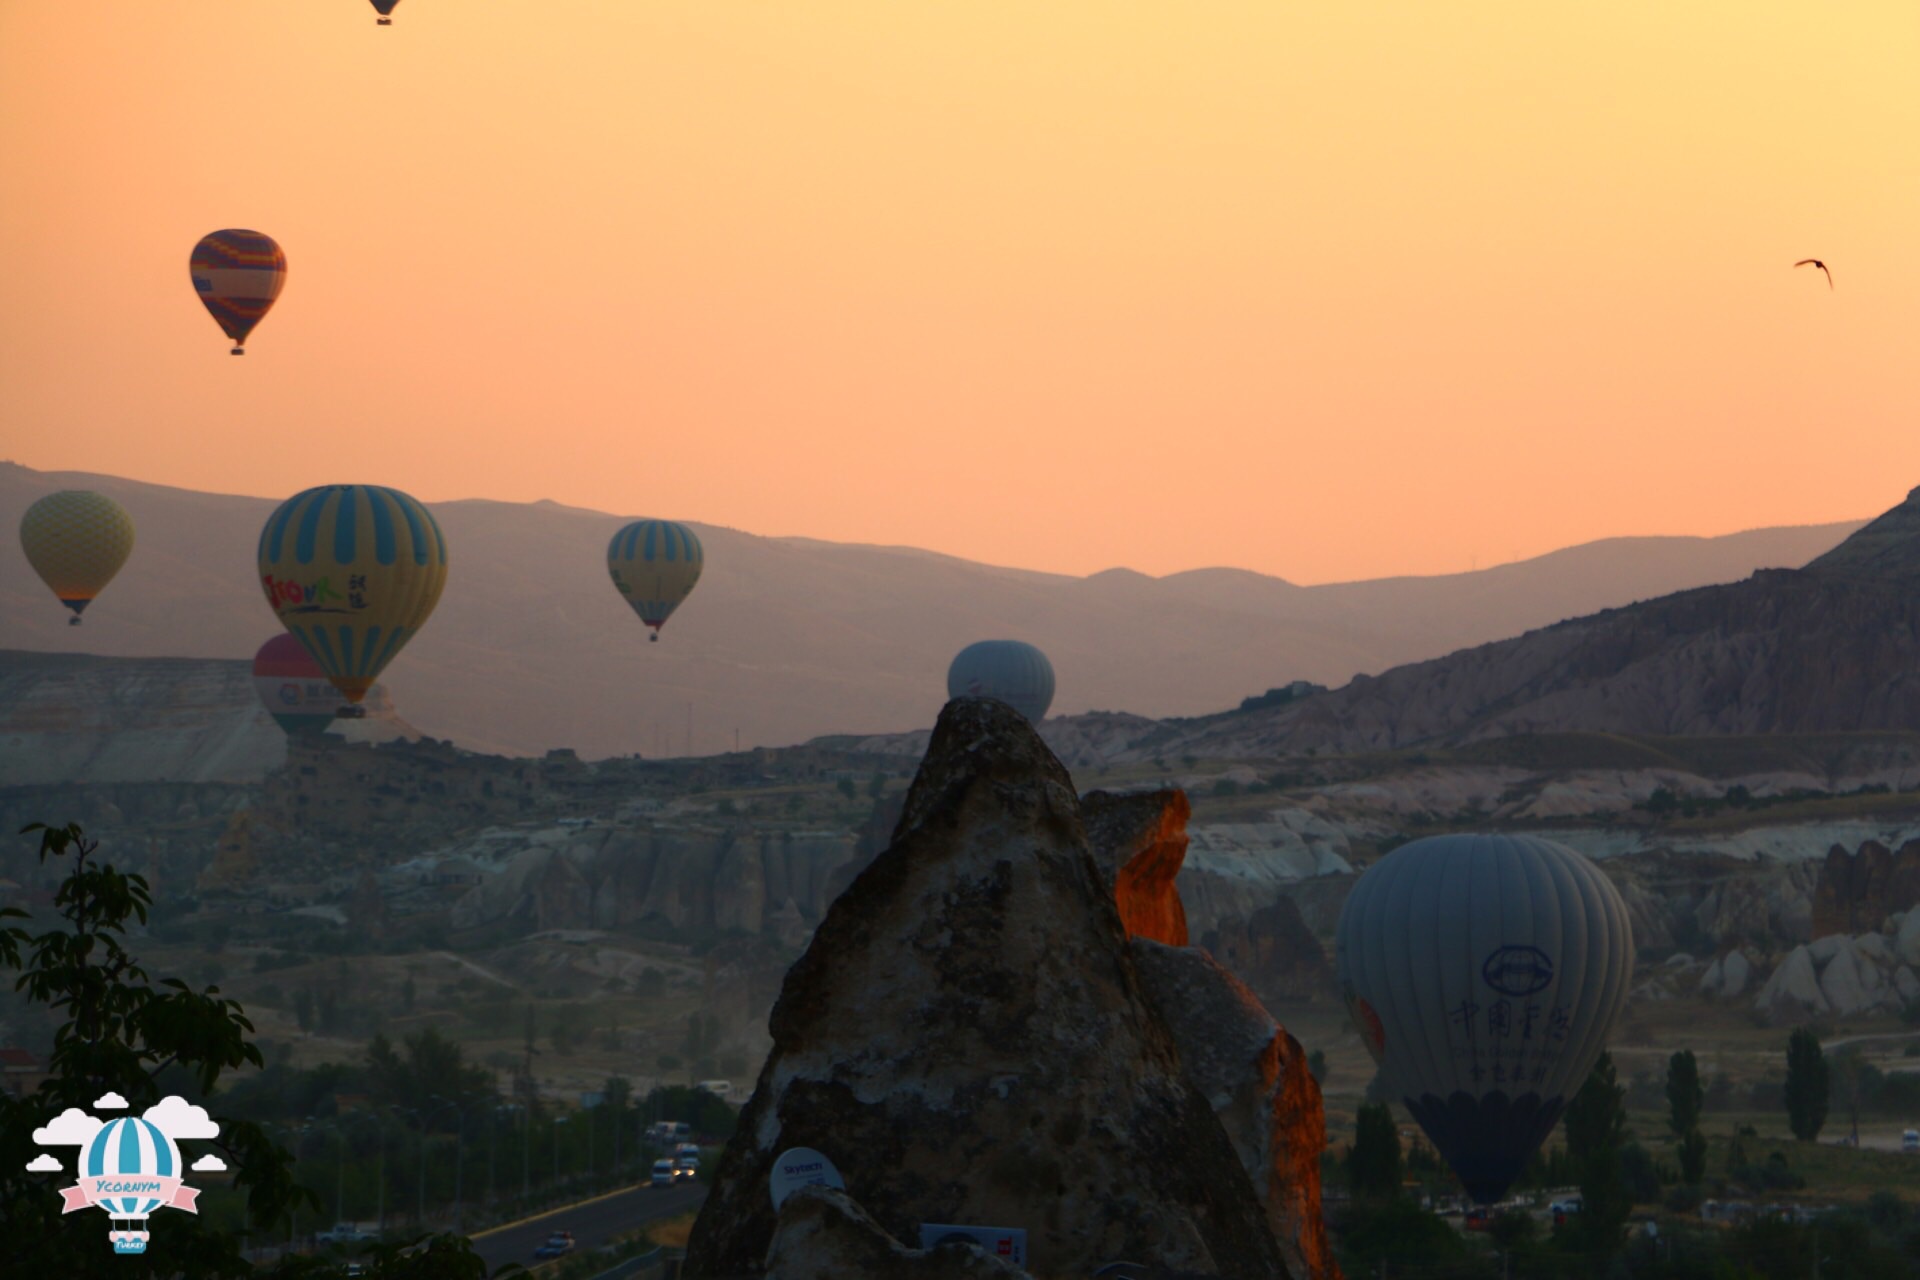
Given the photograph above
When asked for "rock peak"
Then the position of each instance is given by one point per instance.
(1887, 547)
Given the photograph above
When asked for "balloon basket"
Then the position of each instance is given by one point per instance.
(74, 621)
(238, 351)
(129, 1241)
(351, 713)
(383, 22)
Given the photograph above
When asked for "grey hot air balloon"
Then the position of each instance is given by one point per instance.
(1016, 673)
(1483, 973)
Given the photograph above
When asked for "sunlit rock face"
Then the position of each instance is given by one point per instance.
(966, 1038)
(1255, 1076)
(1139, 841)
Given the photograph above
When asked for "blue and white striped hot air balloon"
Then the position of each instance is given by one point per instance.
(654, 565)
(133, 1151)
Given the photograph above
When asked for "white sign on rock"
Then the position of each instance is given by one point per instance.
(1001, 1242)
(801, 1167)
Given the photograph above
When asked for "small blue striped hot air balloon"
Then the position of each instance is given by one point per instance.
(654, 565)
(134, 1149)
(1011, 670)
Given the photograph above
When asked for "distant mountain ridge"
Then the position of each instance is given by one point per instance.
(1831, 647)
(791, 638)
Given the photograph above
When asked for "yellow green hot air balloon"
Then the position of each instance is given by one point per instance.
(654, 564)
(353, 571)
(76, 540)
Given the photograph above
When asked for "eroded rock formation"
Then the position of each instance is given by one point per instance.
(1275, 953)
(1256, 1077)
(1859, 890)
(967, 1039)
(1139, 841)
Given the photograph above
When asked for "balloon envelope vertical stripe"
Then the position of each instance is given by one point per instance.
(237, 274)
(76, 540)
(131, 1147)
(654, 565)
(352, 571)
(1484, 973)
(1011, 670)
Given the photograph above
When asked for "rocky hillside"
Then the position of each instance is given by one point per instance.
(789, 638)
(1833, 647)
(75, 719)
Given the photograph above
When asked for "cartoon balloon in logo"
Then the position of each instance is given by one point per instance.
(352, 571)
(654, 564)
(237, 274)
(1011, 670)
(131, 1169)
(1483, 973)
(76, 540)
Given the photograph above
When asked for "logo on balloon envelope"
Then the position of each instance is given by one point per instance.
(1517, 970)
(801, 1167)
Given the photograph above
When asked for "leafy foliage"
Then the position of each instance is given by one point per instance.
(1685, 1096)
(1373, 1163)
(1807, 1085)
(120, 1030)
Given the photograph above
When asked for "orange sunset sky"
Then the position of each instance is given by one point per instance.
(1330, 290)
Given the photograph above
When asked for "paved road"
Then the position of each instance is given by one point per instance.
(593, 1223)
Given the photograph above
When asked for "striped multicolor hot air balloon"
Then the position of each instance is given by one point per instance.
(353, 571)
(76, 540)
(238, 274)
(654, 564)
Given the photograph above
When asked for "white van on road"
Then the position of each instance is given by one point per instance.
(663, 1173)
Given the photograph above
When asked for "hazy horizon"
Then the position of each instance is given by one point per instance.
(1331, 295)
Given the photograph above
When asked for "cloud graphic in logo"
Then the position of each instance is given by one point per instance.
(71, 1128)
(178, 1118)
(109, 1102)
(209, 1164)
(44, 1163)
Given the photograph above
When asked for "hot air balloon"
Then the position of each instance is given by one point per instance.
(352, 571)
(127, 1153)
(238, 274)
(1483, 973)
(654, 563)
(76, 540)
(1014, 672)
(293, 688)
(383, 8)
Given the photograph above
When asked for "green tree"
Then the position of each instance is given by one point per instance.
(1807, 1081)
(847, 788)
(1596, 1132)
(1693, 1158)
(1685, 1096)
(1373, 1162)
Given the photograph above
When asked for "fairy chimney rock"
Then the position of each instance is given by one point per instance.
(1256, 1077)
(966, 1038)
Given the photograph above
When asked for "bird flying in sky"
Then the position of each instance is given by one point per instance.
(1815, 262)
